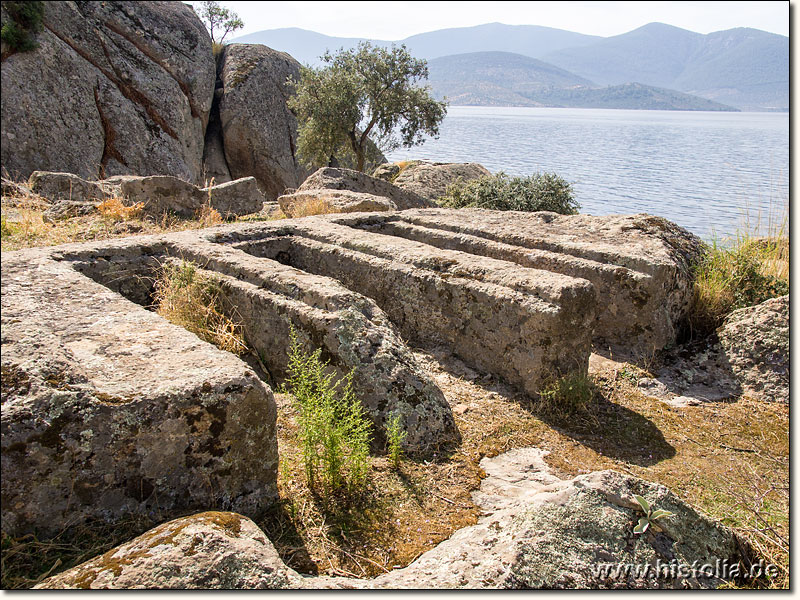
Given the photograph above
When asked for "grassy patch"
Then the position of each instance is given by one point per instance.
(310, 207)
(185, 296)
(746, 272)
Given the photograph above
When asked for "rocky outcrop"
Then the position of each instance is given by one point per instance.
(538, 532)
(113, 88)
(259, 131)
(640, 266)
(346, 190)
(68, 209)
(239, 197)
(332, 201)
(211, 550)
(754, 345)
(430, 180)
(64, 186)
(109, 411)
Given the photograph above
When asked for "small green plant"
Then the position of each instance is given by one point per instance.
(537, 192)
(333, 427)
(650, 516)
(25, 19)
(568, 394)
(395, 435)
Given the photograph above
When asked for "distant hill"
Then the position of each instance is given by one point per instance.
(507, 79)
(530, 40)
(747, 68)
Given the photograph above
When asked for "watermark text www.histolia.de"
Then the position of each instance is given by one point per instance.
(674, 569)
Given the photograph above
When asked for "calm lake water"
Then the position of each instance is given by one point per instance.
(709, 172)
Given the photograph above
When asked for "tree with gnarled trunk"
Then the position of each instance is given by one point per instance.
(366, 94)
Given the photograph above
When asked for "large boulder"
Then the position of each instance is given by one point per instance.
(430, 180)
(112, 88)
(258, 129)
(301, 204)
(108, 411)
(161, 193)
(64, 186)
(211, 550)
(330, 178)
(754, 345)
(239, 197)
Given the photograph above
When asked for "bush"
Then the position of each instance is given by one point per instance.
(751, 271)
(540, 191)
(25, 18)
(333, 427)
(188, 298)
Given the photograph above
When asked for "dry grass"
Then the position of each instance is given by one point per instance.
(312, 206)
(115, 210)
(24, 227)
(185, 296)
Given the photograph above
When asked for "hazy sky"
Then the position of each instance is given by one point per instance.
(398, 20)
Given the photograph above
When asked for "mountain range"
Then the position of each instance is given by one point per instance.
(529, 65)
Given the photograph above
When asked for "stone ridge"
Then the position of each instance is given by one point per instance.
(641, 266)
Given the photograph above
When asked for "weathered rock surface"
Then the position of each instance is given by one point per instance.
(333, 201)
(329, 178)
(162, 193)
(109, 411)
(64, 186)
(542, 532)
(430, 180)
(132, 81)
(386, 171)
(211, 550)
(754, 344)
(68, 209)
(259, 131)
(238, 197)
(519, 323)
(538, 532)
(640, 265)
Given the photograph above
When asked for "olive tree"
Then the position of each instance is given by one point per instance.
(361, 97)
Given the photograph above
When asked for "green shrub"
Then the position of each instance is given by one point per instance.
(749, 272)
(395, 435)
(333, 427)
(25, 19)
(540, 191)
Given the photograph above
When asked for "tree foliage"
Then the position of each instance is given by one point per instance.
(219, 20)
(25, 20)
(360, 95)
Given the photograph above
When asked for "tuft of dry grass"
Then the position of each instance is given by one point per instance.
(115, 210)
(186, 297)
(310, 207)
